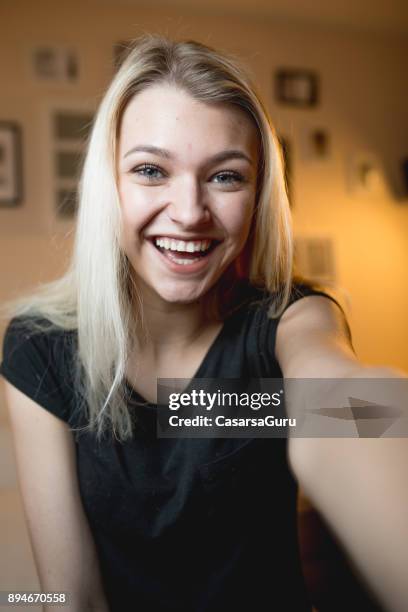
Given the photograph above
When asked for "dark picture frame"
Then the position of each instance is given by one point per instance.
(297, 87)
(11, 187)
(71, 129)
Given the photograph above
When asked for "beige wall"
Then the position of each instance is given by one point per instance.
(364, 92)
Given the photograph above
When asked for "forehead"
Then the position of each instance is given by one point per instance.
(169, 117)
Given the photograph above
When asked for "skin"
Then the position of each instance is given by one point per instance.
(188, 194)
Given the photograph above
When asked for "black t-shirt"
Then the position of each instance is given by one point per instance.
(183, 525)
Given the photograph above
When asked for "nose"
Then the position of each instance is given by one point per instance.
(187, 206)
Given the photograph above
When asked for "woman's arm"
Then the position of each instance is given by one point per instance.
(62, 544)
(358, 484)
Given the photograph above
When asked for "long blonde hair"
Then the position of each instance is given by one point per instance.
(96, 297)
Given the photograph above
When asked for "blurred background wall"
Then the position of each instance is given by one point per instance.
(349, 200)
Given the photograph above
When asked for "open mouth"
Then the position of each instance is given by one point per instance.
(184, 252)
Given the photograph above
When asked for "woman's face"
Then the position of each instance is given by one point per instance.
(187, 175)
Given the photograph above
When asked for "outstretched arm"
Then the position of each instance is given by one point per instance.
(359, 485)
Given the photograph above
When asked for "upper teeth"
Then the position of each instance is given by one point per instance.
(181, 245)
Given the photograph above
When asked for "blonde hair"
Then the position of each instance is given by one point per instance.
(96, 297)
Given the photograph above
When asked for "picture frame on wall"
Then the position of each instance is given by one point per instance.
(70, 128)
(11, 187)
(296, 87)
(315, 143)
(54, 64)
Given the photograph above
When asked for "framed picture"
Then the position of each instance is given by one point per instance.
(55, 64)
(10, 164)
(70, 129)
(296, 87)
(315, 144)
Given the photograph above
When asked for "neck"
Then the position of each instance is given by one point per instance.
(171, 325)
(166, 325)
(162, 327)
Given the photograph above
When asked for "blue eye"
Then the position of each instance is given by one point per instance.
(228, 178)
(148, 171)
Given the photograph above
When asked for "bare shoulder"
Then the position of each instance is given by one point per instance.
(313, 339)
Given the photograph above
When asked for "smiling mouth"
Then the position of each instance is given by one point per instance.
(178, 251)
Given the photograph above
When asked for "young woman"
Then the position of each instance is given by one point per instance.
(182, 268)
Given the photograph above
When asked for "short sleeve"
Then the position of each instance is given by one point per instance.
(30, 364)
(300, 290)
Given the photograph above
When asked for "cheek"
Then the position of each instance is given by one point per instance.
(132, 219)
(129, 200)
(136, 209)
(237, 219)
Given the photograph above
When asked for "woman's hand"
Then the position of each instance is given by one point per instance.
(358, 484)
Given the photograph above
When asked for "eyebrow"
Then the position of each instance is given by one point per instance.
(217, 158)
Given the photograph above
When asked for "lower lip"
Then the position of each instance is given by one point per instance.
(194, 266)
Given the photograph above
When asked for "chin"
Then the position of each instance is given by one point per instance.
(178, 296)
